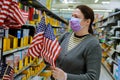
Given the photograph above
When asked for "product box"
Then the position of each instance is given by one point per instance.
(10, 60)
(116, 70)
(17, 58)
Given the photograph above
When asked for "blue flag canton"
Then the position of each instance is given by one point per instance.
(41, 26)
(9, 70)
(49, 33)
(3, 66)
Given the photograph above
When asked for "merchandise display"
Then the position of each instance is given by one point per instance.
(32, 31)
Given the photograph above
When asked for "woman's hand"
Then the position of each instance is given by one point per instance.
(59, 74)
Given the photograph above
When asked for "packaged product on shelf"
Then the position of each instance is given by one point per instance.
(10, 60)
(6, 45)
(118, 22)
(23, 54)
(17, 58)
(16, 33)
(119, 67)
(116, 69)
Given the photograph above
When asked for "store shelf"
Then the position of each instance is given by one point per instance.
(14, 50)
(115, 37)
(36, 4)
(37, 73)
(23, 69)
(38, 62)
(115, 14)
(57, 27)
(104, 65)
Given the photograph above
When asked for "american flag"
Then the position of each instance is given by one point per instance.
(37, 42)
(51, 48)
(9, 73)
(45, 44)
(25, 15)
(10, 14)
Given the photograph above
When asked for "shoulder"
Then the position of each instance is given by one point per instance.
(92, 41)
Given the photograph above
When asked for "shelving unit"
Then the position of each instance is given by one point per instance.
(36, 4)
(104, 26)
(112, 15)
(19, 52)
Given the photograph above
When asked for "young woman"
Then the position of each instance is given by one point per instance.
(80, 58)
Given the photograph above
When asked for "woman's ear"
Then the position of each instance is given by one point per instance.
(88, 21)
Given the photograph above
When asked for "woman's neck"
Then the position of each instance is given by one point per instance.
(81, 33)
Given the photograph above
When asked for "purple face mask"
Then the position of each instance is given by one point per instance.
(75, 24)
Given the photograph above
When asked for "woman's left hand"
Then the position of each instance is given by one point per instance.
(59, 74)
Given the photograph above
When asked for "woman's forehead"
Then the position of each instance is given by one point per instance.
(77, 12)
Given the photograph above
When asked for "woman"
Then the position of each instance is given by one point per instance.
(80, 58)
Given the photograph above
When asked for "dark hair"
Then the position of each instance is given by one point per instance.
(88, 14)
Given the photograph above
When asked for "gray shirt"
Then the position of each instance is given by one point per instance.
(83, 62)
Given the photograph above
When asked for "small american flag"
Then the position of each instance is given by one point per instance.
(9, 73)
(37, 42)
(45, 44)
(51, 48)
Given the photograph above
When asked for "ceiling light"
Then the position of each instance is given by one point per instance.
(70, 1)
(69, 9)
(102, 10)
(105, 2)
(65, 1)
(53, 9)
(96, 1)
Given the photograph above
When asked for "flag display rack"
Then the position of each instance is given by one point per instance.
(37, 5)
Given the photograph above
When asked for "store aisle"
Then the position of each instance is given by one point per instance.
(104, 74)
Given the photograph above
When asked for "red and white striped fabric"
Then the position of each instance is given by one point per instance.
(51, 48)
(36, 45)
(37, 42)
(4, 11)
(10, 15)
(1, 3)
(25, 15)
(9, 73)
